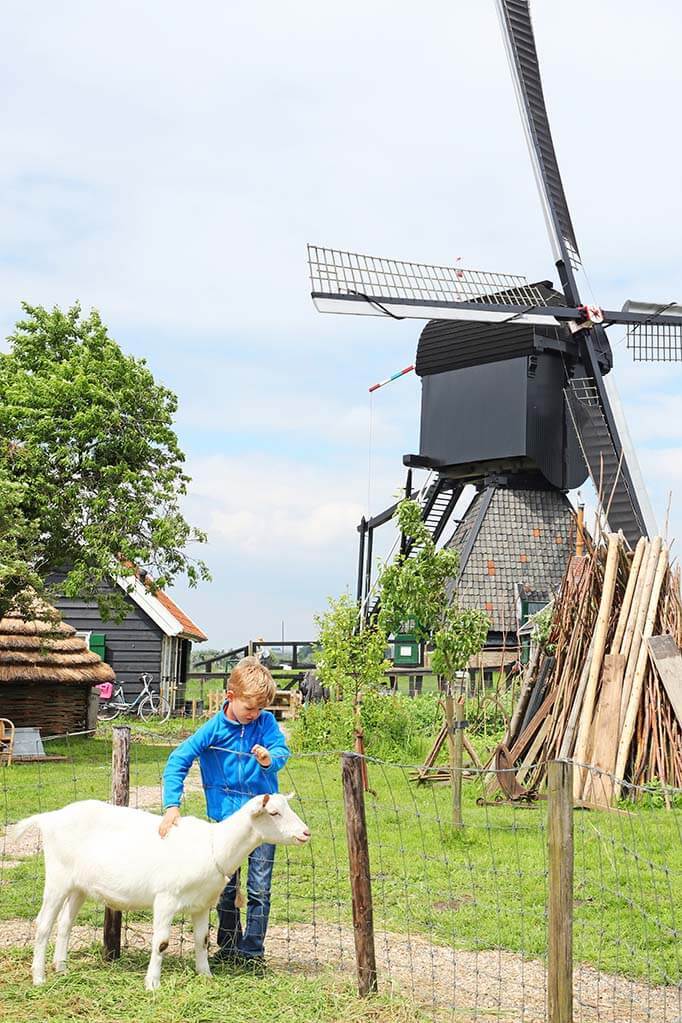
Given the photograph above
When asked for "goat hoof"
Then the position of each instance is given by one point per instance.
(59, 966)
(38, 979)
(152, 983)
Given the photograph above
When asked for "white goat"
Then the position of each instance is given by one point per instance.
(115, 854)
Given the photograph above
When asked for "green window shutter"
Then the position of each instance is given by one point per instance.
(98, 643)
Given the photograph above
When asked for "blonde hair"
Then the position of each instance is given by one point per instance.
(251, 678)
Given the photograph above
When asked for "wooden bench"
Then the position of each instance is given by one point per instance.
(6, 741)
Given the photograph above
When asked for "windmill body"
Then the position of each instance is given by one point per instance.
(514, 397)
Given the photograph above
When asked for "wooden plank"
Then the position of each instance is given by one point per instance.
(600, 634)
(668, 662)
(635, 629)
(599, 787)
(630, 591)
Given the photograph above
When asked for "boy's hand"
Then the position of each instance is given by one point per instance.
(262, 755)
(170, 818)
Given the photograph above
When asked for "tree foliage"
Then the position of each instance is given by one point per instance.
(415, 589)
(349, 660)
(91, 473)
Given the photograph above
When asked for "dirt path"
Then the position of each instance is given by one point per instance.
(472, 985)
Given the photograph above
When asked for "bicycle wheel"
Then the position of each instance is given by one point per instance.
(109, 711)
(154, 705)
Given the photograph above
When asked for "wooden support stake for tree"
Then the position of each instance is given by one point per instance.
(360, 878)
(120, 796)
(454, 715)
(560, 892)
(359, 742)
(459, 762)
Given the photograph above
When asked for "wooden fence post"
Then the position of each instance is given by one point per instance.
(120, 796)
(358, 865)
(560, 892)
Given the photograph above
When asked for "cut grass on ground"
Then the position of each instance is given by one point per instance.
(113, 993)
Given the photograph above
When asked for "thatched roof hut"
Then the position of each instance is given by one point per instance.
(46, 674)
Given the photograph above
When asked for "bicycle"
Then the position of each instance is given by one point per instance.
(148, 703)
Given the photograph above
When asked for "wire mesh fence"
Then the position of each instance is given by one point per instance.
(460, 914)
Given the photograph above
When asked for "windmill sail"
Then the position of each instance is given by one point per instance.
(617, 481)
(349, 282)
(517, 30)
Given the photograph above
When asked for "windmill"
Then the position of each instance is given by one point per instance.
(516, 396)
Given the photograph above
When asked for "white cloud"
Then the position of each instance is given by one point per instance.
(269, 508)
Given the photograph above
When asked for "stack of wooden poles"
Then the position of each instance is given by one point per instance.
(601, 697)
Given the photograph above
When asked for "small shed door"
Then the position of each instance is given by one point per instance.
(170, 668)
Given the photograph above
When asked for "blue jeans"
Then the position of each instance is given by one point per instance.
(231, 939)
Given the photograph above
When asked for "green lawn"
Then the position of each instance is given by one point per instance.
(480, 888)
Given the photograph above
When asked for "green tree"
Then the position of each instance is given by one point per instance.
(416, 588)
(350, 660)
(91, 472)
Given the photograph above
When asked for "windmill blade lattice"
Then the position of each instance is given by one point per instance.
(334, 272)
(655, 342)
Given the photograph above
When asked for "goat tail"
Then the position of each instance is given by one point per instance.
(21, 827)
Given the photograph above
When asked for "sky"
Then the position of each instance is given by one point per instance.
(166, 164)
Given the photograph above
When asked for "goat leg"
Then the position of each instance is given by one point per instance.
(53, 899)
(164, 910)
(68, 914)
(200, 927)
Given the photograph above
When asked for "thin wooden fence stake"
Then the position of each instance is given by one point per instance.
(459, 763)
(560, 892)
(360, 879)
(120, 796)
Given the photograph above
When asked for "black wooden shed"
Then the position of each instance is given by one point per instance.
(155, 636)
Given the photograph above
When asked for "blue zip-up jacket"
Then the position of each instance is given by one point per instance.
(230, 773)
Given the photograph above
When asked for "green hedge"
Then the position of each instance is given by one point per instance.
(397, 728)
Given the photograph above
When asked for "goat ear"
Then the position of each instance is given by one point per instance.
(260, 805)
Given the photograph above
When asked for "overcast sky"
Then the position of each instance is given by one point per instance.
(166, 163)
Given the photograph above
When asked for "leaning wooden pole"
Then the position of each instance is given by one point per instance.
(120, 796)
(600, 637)
(359, 870)
(632, 708)
(560, 892)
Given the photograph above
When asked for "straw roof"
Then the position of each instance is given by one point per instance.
(35, 651)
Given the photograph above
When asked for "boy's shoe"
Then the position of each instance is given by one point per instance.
(224, 957)
(253, 965)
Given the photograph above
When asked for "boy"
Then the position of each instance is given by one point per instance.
(240, 751)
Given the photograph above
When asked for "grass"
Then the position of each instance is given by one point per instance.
(483, 887)
(114, 994)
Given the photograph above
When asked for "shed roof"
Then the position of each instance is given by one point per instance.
(163, 611)
(41, 651)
